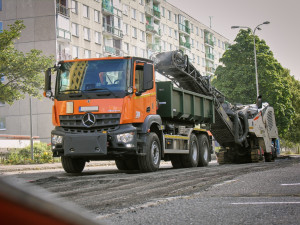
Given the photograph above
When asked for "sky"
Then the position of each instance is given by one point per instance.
(282, 35)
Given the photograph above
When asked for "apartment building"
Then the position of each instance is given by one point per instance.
(71, 29)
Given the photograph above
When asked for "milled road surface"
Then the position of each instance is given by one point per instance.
(200, 195)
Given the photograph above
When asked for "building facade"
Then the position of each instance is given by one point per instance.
(71, 29)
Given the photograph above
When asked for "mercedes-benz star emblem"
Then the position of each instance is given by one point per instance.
(88, 119)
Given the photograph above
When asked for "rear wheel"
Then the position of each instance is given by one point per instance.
(71, 165)
(204, 153)
(151, 161)
(191, 160)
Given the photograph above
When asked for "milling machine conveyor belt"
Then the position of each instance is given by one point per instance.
(176, 66)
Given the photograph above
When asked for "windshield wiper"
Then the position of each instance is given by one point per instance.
(101, 89)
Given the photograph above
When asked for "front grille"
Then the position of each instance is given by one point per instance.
(103, 121)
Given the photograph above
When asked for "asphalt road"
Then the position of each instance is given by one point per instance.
(260, 193)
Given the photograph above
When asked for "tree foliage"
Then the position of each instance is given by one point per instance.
(22, 72)
(236, 78)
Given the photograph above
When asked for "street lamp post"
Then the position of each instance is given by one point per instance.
(255, 61)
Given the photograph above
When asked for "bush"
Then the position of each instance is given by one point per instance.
(42, 154)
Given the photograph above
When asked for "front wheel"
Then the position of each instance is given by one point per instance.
(71, 165)
(151, 161)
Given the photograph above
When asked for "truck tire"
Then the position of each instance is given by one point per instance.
(72, 165)
(204, 153)
(192, 159)
(151, 161)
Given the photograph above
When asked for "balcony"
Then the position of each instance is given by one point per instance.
(184, 28)
(210, 56)
(185, 44)
(65, 34)
(148, 10)
(113, 51)
(156, 11)
(107, 7)
(209, 41)
(154, 47)
(113, 30)
(62, 9)
(209, 69)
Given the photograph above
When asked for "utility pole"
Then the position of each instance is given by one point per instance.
(31, 137)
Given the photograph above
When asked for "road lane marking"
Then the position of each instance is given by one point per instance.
(294, 184)
(262, 203)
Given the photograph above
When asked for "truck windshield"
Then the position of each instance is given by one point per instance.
(92, 76)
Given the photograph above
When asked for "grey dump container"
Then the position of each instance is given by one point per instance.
(179, 104)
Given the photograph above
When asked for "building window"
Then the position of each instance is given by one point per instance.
(141, 2)
(198, 60)
(164, 45)
(197, 45)
(133, 13)
(134, 33)
(2, 123)
(75, 52)
(201, 33)
(134, 50)
(74, 7)
(170, 32)
(142, 35)
(170, 47)
(169, 15)
(125, 9)
(175, 18)
(203, 62)
(87, 53)
(192, 42)
(86, 12)
(0, 5)
(86, 33)
(202, 47)
(142, 17)
(1, 27)
(163, 11)
(197, 31)
(166, 29)
(75, 31)
(126, 48)
(98, 55)
(97, 16)
(176, 34)
(125, 29)
(97, 37)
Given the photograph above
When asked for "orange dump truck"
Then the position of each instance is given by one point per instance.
(112, 109)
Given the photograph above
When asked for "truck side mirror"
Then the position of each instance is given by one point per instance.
(259, 102)
(47, 89)
(148, 77)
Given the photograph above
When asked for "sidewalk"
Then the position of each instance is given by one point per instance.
(48, 166)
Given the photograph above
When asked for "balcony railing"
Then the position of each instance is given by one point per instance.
(107, 7)
(61, 9)
(61, 33)
(113, 50)
(154, 47)
(184, 28)
(149, 27)
(113, 30)
(209, 41)
(185, 44)
(209, 56)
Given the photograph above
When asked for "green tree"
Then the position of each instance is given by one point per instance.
(236, 78)
(22, 72)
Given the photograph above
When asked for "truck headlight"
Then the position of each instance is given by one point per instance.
(125, 138)
(56, 139)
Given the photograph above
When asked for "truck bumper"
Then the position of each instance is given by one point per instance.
(95, 144)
